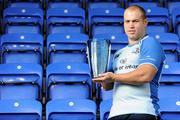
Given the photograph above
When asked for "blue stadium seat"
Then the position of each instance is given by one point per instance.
(104, 3)
(170, 109)
(71, 109)
(144, 4)
(168, 91)
(22, 48)
(105, 20)
(20, 110)
(65, 20)
(68, 80)
(170, 44)
(64, 3)
(158, 19)
(25, 4)
(20, 81)
(171, 4)
(105, 107)
(176, 20)
(23, 20)
(67, 48)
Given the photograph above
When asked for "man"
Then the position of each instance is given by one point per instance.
(137, 68)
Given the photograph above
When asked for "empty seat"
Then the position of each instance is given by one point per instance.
(171, 4)
(170, 44)
(144, 4)
(176, 20)
(67, 48)
(168, 91)
(158, 19)
(104, 3)
(65, 20)
(23, 20)
(105, 107)
(170, 109)
(170, 82)
(68, 80)
(25, 4)
(20, 110)
(20, 81)
(22, 48)
(71, 109)
(64, 3)
(105, 20)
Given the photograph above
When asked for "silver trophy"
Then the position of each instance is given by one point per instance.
(99, 55)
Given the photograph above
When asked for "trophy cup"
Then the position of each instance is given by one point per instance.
(99, 55)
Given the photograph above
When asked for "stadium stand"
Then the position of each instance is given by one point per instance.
(57, 83)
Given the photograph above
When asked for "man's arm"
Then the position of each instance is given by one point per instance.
(143, 74)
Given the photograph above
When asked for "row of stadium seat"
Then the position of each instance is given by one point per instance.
(29, 48)
(90, 3)
(69, 92)
(100, 20)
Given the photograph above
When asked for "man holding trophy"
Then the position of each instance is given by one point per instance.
(136, 71)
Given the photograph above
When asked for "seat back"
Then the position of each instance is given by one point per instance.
(20, 81)
(105, 20)
(20, 110)
(22, 48)
(63, 20)
(67, 48)
(74, 78)
(158, 19)
(105, 107)
(176, 20)
(23, 20)
(74, 109)
(170, 44)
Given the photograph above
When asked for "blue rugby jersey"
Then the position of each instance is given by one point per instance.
(137, 98)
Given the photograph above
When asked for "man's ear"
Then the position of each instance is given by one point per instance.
(145, 22)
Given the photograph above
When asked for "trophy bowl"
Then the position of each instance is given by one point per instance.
(99, 55)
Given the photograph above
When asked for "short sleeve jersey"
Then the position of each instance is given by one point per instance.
(142, 98)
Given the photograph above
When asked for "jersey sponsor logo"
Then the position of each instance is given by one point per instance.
(136, 51)
(123, 61)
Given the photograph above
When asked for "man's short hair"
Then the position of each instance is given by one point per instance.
(140, 9)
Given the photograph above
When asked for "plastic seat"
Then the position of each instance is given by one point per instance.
(65, 20)
(68, 80)
(176, 20)
(168, 91)
(104, 3)
(144, 4)
(64, 3)
(25, 4)
(22, 48)
(105, 107)
(20, 81)
(171, 4)
(71, 109)
(170, 44)
(23, 20)
(20, 110)
(158, 19)
(67, 48)
(105, 20)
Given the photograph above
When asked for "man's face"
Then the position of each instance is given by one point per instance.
(134, 24)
